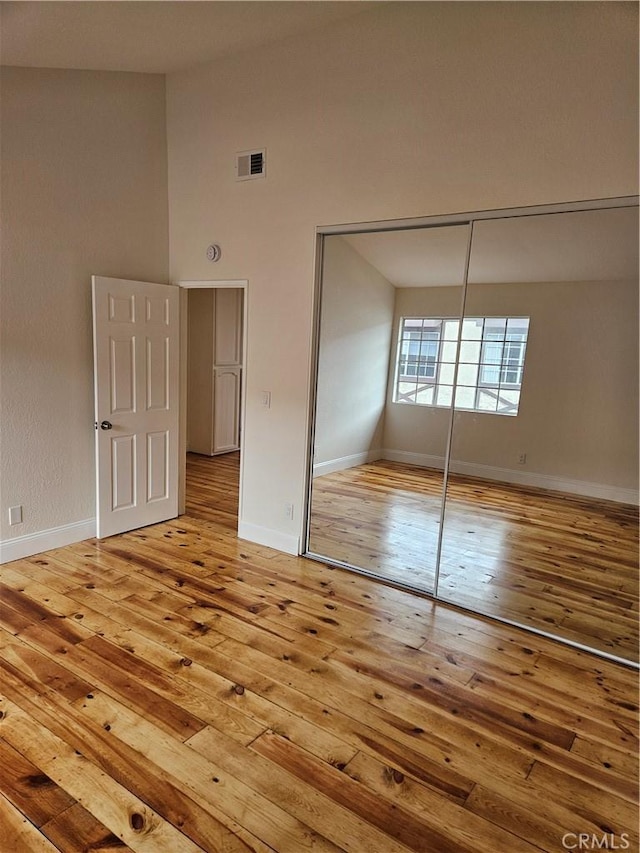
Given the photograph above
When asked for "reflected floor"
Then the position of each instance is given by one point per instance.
(556, 562)
(383, 517)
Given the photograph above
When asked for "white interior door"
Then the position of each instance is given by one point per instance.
(136, 375)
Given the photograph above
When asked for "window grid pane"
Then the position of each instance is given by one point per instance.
(490, 353)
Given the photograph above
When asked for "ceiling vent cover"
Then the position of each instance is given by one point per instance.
(250, 164)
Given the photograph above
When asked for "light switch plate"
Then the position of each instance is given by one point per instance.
(15, 515)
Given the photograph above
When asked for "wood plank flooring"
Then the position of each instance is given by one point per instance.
(177, 689)
(559, 563)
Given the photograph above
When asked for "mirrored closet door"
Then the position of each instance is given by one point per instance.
(540, 525)
(372, 508)
(476, 416)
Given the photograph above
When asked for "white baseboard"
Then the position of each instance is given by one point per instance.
(520, 478)
(68, 534)
(344, 462)
(546, 481)
(45, 540)
(271, 538)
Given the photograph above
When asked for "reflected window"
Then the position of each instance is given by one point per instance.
(489, 352)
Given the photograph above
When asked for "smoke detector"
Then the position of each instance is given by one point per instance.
(251, 164)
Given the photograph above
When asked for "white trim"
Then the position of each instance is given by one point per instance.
(473, 216)
(46, 540)
(286, 542)
(230, 282)
(522, 478)
(344, 462)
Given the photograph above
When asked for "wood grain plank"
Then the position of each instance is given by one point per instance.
(29, 789)
(267, 820)
(305, 796)
(77, 829)
(18, 834)
(119, 810)
(204, 823)
(464, 828)
(441, 738)
(398, 823)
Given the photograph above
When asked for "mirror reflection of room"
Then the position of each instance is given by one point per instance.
(372, 507)
(540, 522)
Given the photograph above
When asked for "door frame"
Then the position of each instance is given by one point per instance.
(208, 284)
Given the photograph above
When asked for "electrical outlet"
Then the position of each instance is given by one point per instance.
(15, 515)
(265, 399)
(522, 459)
(288, 511)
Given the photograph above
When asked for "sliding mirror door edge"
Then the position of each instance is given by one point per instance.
(447, 454)
(313, 385)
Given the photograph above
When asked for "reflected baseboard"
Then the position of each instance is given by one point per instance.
(520, 478)
(344, 462)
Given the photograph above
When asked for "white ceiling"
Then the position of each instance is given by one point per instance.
(149, 36)
(593, 245)
(422, 257)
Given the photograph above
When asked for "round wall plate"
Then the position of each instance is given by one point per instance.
(214, 252)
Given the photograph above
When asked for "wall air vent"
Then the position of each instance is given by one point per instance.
(250, 164)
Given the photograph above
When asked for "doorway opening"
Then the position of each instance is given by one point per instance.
(213, 382)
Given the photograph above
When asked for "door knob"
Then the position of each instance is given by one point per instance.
(106, 425)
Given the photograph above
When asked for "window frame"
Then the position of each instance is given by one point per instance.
(425, 380)
(481, 384)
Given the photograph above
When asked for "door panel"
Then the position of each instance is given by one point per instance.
(226, 408)
(122, 374)
(136, 332)
(157, 466)
(228, 327)
(123, 471)
(157, 374)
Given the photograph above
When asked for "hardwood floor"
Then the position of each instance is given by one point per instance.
(177, 689)
(556, 562)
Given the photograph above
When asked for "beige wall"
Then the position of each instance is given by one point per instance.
(355, 341)
(84, 191)
(578, 416)
(406, 110)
